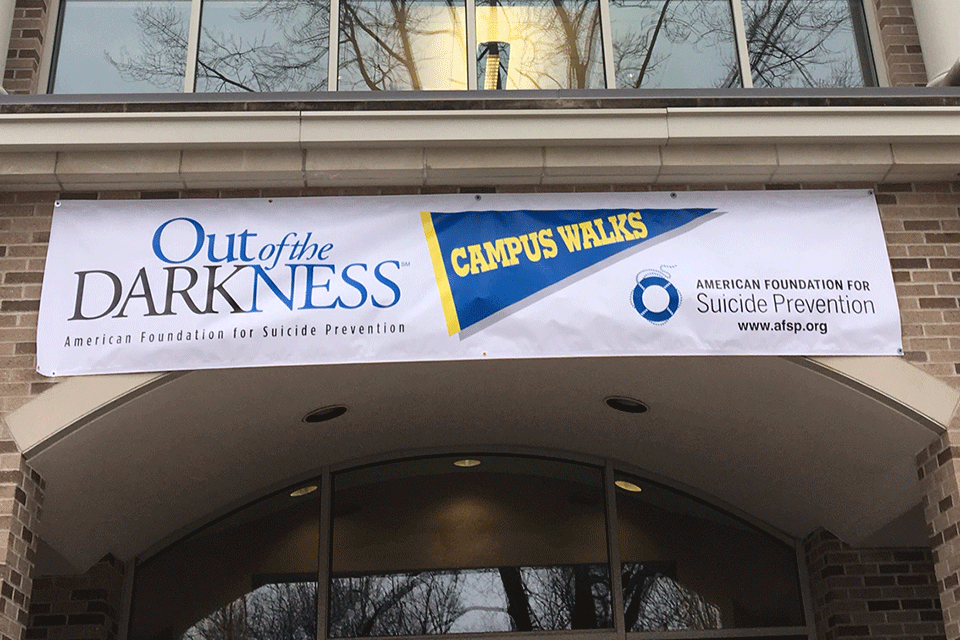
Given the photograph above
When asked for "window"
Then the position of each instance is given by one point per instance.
(424, 547)
(255, 45)
(401, 44)
(143, 50)
(135, 46)
(687, 565)
(481, 544)
(543, 45)
(678, 44)
(807, 43)
(254, 572)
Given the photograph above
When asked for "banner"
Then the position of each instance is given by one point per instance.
(135, 286)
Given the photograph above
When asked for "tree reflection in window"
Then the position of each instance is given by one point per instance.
(691, 43)
(470, 600)
(160, 59)
(806, 43)
(423, 547)
(273, 611)
(282, 45)
(686, 565)
(674, 43)
(263, 45)
(245, 45)
(654, 601)
(402, 44)
(554, 44)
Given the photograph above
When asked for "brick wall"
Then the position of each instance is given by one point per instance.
(21, 74)
(880, 593)
(922, 227)
(24, 232)
(21, 499)
(901, 43)
(937, 469)
(84, 606)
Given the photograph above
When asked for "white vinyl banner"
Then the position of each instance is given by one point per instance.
(164, 285)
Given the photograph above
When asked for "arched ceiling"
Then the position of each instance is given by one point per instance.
(793, 443)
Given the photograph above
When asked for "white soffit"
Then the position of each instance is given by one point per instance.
(774, 439)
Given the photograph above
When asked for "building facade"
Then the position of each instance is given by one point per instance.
(812, 496)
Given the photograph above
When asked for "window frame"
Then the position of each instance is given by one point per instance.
(610, 470)
(870, 45)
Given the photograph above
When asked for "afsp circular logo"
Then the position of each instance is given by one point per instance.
(655, 297)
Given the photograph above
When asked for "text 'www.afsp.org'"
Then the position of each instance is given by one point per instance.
(785, 326)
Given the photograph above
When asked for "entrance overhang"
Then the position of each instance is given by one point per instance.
(132, 461)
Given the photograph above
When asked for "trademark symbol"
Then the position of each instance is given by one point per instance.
(405, 263)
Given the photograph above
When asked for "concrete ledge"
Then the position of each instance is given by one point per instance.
(176, 150)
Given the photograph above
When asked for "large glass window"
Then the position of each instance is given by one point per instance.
(540, 45)
(124, 46)
(129, 46)
(686, 565)
(251, 45)
(419, 548)
(402, 44)
(674, 44)
(807, 43)
(470, 544)
(252, 575)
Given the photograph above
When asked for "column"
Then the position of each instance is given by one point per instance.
(938, 24)
(6, 26)
(937, 468)
(21, 499)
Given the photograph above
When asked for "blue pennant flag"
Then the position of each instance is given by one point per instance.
(487, 261)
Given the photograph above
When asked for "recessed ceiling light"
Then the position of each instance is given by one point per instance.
(627, 405)
(325, 413)
(302, 491)
(466, 462)
(628, 486)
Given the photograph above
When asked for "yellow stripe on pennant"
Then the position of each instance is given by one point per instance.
(446, 296)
